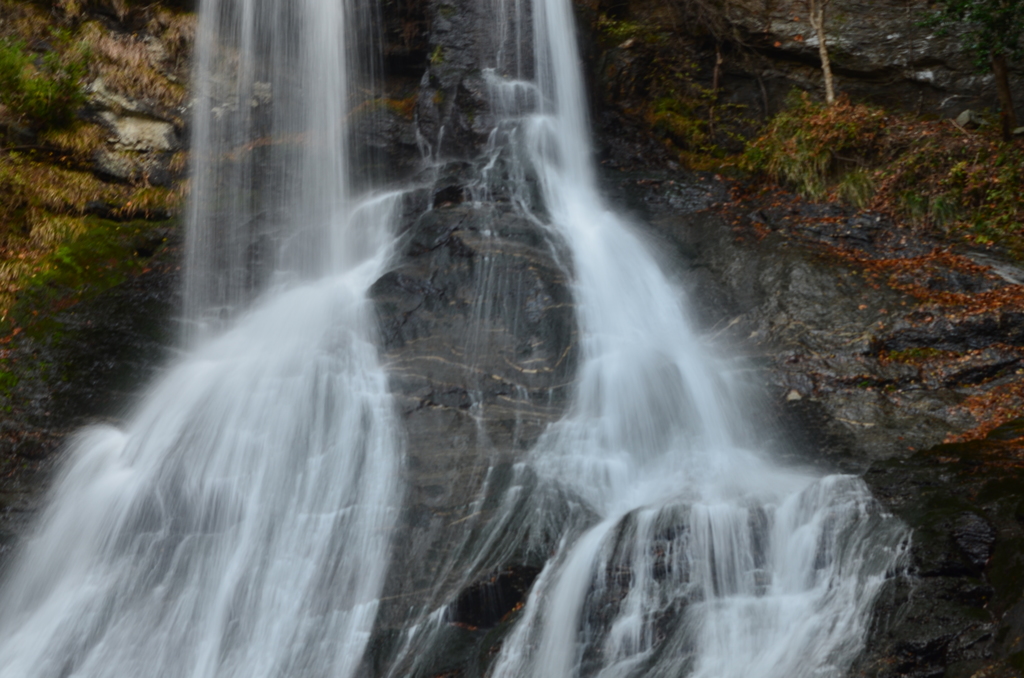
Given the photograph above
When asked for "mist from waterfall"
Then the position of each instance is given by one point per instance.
(239, 524)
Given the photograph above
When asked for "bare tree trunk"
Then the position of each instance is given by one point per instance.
(718, 68)
(715, 78)
(816, 10)
(1007, 115)
(764, 94)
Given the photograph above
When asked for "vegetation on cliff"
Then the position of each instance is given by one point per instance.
(993, 33)
(931, 175)
(44, 92)
(92, 101)
(75, 187)
(652, 75)
(690, 76)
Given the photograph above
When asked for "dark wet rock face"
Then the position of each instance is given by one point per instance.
(477, 318)
(958, 610)
(452, 110)
(859, 369)
(478, 332)
(975, 538)
(486, 604)
(879, 50)
(855, 318)
(871, 347)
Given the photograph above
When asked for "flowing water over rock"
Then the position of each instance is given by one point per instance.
(694, 555)
(578, 475)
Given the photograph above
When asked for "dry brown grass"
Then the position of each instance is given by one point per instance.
(23, 20)
(43, 201)
(12, 271)
(80, 141)
(29, 190)
(176, 31)
(130, 68)
(26, 184)
(150, 201)
(178, 163)
(43, 208)
(72, 9)
(49, 230)
(183, 189)
(120, 8)
(56, 189)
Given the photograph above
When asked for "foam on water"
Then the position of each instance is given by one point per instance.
(238, 526)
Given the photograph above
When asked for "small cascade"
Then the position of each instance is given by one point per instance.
(699, 556)
(240, 524)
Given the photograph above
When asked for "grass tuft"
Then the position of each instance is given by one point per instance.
(813, 147)
(80, 141)
(928, 173)
(129, 67)
(857, 187)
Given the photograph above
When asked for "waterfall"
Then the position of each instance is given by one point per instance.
(703, 558)
(239, 524)
(272, 195)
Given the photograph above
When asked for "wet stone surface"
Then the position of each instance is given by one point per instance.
(958, 608)
(477, 315)
(478, 333)
(864, 372)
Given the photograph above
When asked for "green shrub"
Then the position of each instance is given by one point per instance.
(857, 187)
(43, 92)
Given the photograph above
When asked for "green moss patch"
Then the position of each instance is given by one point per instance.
(105, 255)
(652, 73)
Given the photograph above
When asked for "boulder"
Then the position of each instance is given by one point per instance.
(133, 132)
(141, 142)
(969, 119)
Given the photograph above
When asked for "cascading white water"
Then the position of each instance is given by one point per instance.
(277, 83)
(239, 525)
(707, 559)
